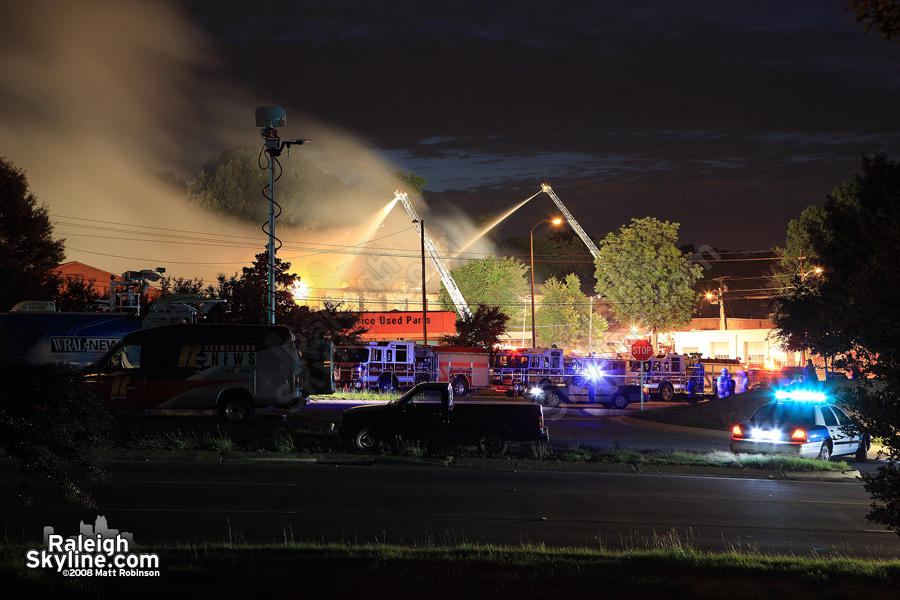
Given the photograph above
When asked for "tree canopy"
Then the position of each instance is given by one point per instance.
(234, 182)
(850, 308)
(492, 281)
(646, 278)
(482, 330)
(563, 316)
(26, 242)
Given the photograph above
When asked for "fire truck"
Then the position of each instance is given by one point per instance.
(668, 374)
(536, 373)
(390, 366)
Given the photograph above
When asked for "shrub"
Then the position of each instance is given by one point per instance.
(56, 425)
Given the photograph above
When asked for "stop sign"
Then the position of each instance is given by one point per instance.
(641, 350)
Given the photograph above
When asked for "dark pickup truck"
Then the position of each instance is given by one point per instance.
(427, 413)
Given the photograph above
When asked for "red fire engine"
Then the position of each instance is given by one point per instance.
(400, 365)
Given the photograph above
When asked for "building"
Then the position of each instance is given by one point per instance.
(752, 341)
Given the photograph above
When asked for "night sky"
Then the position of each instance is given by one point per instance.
(727, 117)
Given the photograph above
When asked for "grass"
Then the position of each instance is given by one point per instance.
(665, 566)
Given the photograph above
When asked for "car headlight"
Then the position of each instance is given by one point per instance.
(536, 391)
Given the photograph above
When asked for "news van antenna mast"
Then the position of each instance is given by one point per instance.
(452, 289)
(268, 118)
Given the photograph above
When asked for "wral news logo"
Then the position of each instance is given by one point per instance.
(97, 551)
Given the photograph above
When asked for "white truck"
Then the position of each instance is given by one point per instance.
(400, 365)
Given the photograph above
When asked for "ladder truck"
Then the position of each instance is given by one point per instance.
(581, 232)
(455, 295)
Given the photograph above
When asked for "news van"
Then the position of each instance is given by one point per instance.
(234, 369)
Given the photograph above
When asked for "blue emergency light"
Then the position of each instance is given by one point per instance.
(800, 395)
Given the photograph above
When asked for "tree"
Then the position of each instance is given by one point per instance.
(180, 285)
(646, 278)
(884, 15)
(235, 182)
(563, 316)
(246, 297)
(54, 424)
(26, 242)
(74, 295)
(556, 255)
(851, 308)
(331, 323)
(492, 280)
(482, 330)
(409, 181)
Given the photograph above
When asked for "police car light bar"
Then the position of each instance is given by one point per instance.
(800, 395)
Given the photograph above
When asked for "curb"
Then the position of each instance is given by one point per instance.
(642, 423)
(502, 464)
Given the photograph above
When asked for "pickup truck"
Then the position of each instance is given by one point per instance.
(427, 413)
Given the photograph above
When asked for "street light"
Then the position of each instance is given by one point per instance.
(555, 221)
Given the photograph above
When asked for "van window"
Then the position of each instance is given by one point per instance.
(126, 357)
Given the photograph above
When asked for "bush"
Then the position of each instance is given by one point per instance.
(56, 425)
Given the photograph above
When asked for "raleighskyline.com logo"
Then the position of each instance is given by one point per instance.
(97, 551)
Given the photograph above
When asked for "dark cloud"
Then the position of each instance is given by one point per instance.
(727, 117)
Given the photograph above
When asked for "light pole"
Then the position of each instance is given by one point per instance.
(421, 223)
(555, 221)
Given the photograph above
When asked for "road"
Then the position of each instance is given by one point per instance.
(160, 501)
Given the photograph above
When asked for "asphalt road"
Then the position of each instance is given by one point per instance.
(410, 504)
(583, 425)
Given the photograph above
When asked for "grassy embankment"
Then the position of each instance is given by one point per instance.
(664, 567)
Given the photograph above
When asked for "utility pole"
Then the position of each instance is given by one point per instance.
(722, 289)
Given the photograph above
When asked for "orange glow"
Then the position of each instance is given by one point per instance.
(300, 291)
(736, 431)
(799, 435)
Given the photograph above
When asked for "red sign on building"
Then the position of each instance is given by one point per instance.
(407, 325)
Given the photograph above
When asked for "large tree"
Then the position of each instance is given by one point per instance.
(29, 252)
(851, 307)
(493, 281)
(649, 282)
(235, 182)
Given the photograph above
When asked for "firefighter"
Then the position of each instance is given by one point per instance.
(743, 381)
(724, 384)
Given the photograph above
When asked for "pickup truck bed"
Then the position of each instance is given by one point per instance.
(427, 413)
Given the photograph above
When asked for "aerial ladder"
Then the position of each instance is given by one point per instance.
(581, 233)
(455, 295)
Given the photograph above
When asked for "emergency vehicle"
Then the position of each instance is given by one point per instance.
(668, 374)
(400, 365)
(532, 372)
(234, 369)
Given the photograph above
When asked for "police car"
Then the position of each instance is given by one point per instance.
(801, 423)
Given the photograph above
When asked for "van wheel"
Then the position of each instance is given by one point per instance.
(492, 444)
(235, 409)
(460, 386)
(367, 439)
